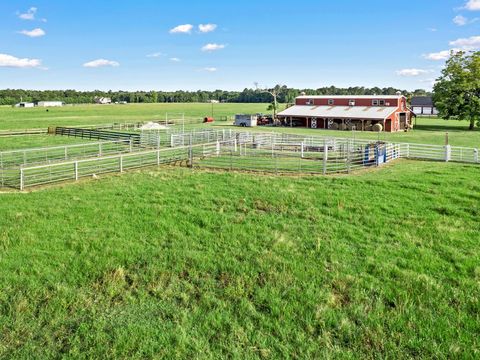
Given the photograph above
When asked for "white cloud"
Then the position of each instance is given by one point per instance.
(100, 63)
(155, 55)
(206, 28)
(470, 43)
(433, 29)
(210, 69)
(441, 55)
(411, 72)
(33, 33)
(14, 62)
(174, 59)
(213, 47)
(460, 20)
(29, 15)
(182, 29)
(472, 5)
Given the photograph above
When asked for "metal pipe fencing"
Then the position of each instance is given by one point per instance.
(323, 157)
(41, 155)
(74, 170)
(227, 149)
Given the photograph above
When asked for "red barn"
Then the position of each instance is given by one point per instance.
(366, 113)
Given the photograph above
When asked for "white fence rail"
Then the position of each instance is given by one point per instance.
(74, 170)
(225, 149)
(15, 158)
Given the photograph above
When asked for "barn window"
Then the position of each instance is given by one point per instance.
(351, 102)
(331, 102)
(381, 102)
(374, 102)
(310, 102)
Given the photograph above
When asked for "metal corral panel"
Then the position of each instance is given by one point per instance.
(348, 112)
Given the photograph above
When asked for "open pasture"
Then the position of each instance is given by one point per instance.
(194, 264)
(12, 118)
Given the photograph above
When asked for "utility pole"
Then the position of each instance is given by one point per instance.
(274, 92)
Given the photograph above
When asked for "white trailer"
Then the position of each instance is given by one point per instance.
(246, 120)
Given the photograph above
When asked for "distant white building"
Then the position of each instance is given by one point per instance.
(25, 105)
(214, 101)
(50, 103)
(103, 100)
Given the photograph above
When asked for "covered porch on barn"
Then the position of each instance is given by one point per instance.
(360, 118)
(337, 123)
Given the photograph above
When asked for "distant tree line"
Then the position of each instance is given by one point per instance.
(286, 95)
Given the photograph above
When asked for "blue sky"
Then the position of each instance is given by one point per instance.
(133, 45)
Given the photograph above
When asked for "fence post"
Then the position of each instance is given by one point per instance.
(100, 149)
(325, 156)
(75, 166)
(130, 144)
(22, 184)
(475, 155)
(217, 148)
(235, 145)
(158, 157)
(66, 153)
(190, 156)
(302, 149)
(349, 160)
(408, 151)
(448, 153)
(158, 140)
(121, 163)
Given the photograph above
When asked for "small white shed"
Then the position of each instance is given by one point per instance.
(25, 105)
(50, 103)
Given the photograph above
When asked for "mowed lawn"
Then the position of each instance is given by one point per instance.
(176, 263)
(15, 118)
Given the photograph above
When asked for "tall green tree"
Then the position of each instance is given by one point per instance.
(457, 91)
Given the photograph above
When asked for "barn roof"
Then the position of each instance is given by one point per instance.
(348, 112)
(422, 101)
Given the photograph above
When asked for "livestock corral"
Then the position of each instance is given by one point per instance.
(111, 150)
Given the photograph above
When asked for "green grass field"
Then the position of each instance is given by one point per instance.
(14, 118)
(178, 263)
(428, 130)
(193, 264)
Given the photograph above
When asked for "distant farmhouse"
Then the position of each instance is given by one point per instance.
(50, 104)
(387, 113)
(25, 105)
(102, 100)
(423, 105)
